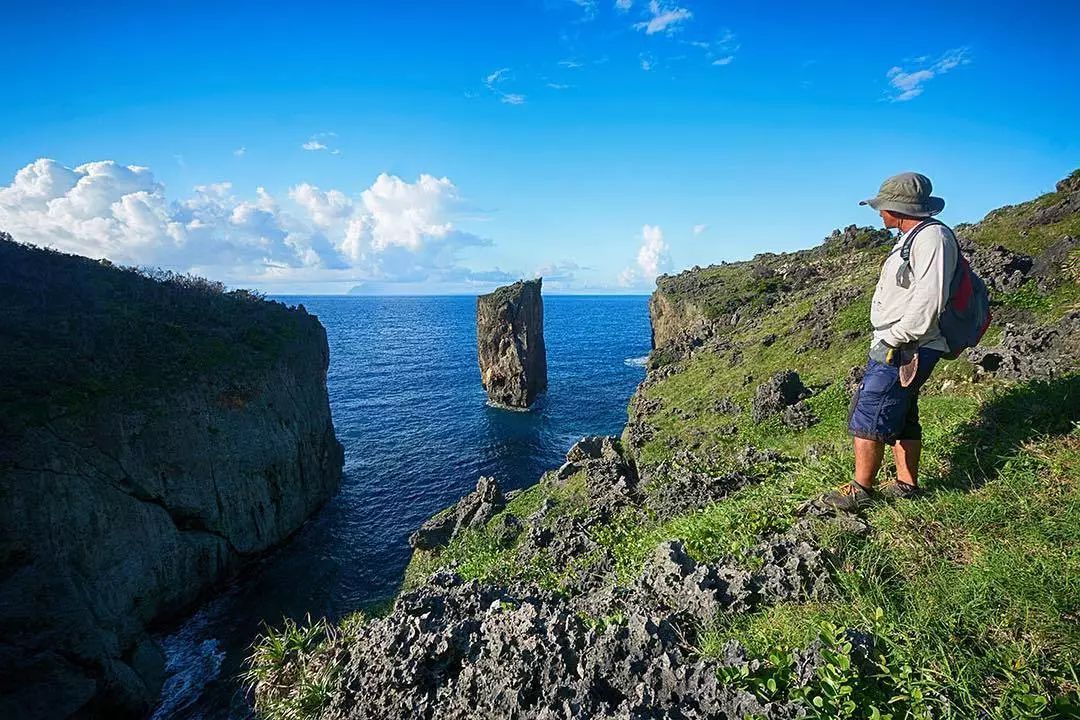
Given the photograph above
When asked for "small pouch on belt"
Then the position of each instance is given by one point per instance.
(879, 352)
(909, 363)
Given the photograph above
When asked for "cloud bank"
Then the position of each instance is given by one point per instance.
(392, 231)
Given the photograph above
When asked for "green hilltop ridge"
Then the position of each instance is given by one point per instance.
(680, 572)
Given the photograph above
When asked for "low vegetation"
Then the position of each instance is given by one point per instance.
(104, 332)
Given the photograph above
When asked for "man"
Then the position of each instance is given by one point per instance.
(907, 343)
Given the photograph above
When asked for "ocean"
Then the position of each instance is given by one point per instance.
(408, 407)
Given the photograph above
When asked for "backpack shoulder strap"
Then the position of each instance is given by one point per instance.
(905, 249)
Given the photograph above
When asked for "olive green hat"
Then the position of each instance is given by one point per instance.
(908, 194)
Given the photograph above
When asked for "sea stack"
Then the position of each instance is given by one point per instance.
(510, 343)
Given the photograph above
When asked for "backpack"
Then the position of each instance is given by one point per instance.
(967, 312)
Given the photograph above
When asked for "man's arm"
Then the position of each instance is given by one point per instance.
(933, 260)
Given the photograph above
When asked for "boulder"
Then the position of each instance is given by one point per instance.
(510, 343)
(782, 390)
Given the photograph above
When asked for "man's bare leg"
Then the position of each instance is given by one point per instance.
(868, 454)
(906, 453)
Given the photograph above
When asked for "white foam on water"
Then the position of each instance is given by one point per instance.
(192, 661)
(511, 408)
(636, 361)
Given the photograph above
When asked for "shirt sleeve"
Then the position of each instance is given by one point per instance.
(933, 260)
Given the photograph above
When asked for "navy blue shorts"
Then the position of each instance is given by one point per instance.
(884, 411)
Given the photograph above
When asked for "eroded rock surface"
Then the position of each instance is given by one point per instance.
(510, 343)
(1031, 351)
(457, 649)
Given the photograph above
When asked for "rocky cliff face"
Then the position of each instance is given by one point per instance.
(155, 434)
(510, 343)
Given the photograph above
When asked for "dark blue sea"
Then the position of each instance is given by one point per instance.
(407, 405)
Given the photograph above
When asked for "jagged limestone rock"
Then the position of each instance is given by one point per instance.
(473, 510)
(510, 343)
(780, 391)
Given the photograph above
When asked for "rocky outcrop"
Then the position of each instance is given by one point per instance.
(456, 650)
(510, 343)
(780, 392)
(1032, 351)
(473, 510)
(128, 490)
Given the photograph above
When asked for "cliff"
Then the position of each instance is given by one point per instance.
(684, 571)
(155, 433)
(510, 343)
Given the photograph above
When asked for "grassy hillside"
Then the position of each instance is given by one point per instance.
(969, 596)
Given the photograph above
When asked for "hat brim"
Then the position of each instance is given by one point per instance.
(932, 206)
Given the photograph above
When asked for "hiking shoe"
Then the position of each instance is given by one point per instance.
(897, 490)
(851, 498)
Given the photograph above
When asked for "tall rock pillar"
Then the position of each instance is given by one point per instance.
(510, 343)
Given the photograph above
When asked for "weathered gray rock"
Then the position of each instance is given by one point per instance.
(456, 650)
(122, 509)
(799, 416)
(702, 592)
(783, 389)
(510, 343)
(1000, 268)
(473, 510)
(1032, 351)
(1066, 205)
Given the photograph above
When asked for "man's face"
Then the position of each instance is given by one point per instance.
(889, 220)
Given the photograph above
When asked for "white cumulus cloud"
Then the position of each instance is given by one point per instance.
(653, 258)
(392, 231)
(698, 229)
(908, 84)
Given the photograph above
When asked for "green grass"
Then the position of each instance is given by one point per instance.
(976, 588)
(291, 670)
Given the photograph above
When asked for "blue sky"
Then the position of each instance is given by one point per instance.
(456, 145)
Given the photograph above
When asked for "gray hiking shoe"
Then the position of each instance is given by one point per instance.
(897, 490)
(851, 498)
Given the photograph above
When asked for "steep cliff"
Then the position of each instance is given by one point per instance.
(155, 433)
(684, 571)
(510, 343)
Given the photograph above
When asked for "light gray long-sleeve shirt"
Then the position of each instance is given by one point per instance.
(902, 314)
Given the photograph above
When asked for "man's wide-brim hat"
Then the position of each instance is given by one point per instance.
(908, 194)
